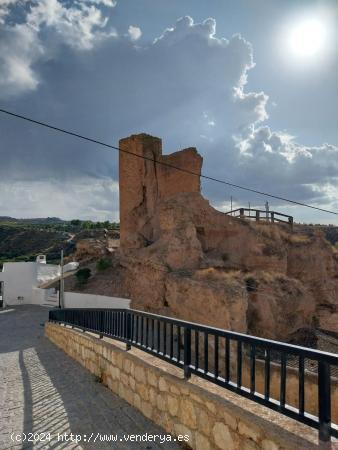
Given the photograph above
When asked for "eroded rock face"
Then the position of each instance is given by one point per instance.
(181, 257)
(89, 248)
(217, 301)
(279, 306)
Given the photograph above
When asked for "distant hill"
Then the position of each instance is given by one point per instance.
(24, 239)
(7, 219)
(20, 244)
(37, 220)
(330, 231)
(331, 234)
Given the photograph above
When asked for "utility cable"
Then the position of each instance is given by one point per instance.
(206, 177)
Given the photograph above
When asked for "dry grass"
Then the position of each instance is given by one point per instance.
(299, 239)
(218, 274)
(335, 249)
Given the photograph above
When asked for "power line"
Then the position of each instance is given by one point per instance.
(206, 177)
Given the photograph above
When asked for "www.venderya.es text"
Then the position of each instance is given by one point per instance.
(96, 437)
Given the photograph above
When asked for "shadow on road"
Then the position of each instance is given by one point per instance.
(45, 391)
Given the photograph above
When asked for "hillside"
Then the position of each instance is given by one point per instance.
(24, 239)
(24, 244)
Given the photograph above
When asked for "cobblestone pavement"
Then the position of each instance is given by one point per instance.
(42, 390)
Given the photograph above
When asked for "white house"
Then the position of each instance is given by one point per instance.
(18, 280)
(23, 283)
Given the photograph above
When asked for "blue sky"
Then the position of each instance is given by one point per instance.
(240, 80)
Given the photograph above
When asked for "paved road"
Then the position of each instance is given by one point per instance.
(42, 390)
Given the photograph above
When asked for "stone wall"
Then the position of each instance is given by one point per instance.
(213, 417)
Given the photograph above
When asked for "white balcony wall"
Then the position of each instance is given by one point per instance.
(79, 300)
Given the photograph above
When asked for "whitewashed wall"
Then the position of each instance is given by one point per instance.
(18, 280)
(44, 297)
(47, 272)
(39, 296)
(79, 300)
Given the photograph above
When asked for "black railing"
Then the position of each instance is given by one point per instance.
(225, 358)
(261, 216)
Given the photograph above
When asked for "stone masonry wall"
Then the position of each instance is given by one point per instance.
(143, 183)
(213, 417)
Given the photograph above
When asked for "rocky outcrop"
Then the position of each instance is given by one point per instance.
(181, 257)
(89, 248)
(278, 306)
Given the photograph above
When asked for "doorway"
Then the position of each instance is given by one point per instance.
(2, 300)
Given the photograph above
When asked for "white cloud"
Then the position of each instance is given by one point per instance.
(19, 50)
(134, 32)
(185, 27)
(78, 26)
(108, 3)
(84, 198)
(189, 87)
(5, 6)
(252, 103)
(279, 164)
(48, 23)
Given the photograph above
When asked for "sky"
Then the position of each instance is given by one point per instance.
(252, 84)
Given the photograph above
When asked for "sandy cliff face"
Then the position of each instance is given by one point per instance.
(181, 257)
(89, 248)
(313, 263)
(228, 273)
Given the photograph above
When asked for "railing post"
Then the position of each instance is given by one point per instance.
(241, 213)
(101, 315)
(257, 216)
(291, 222)
(272, 216)
(128, 330)
(187, 353)
(324, 401)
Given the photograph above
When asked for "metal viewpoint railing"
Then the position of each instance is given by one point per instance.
(222, 357)
(261, 216)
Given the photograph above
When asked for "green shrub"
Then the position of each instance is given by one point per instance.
(83, 276)
(103, 264)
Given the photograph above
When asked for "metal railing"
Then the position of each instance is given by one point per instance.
(221, 357)
(261, 216)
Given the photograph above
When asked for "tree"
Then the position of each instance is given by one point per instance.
(86, 225)
(83, 276)
(103, 264)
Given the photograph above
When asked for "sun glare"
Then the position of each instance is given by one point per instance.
(307, 38)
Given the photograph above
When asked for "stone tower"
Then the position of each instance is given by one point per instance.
(143, 183)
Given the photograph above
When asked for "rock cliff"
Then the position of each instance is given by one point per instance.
(181, 257)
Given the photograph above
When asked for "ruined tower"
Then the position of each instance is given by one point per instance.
(143, 183)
